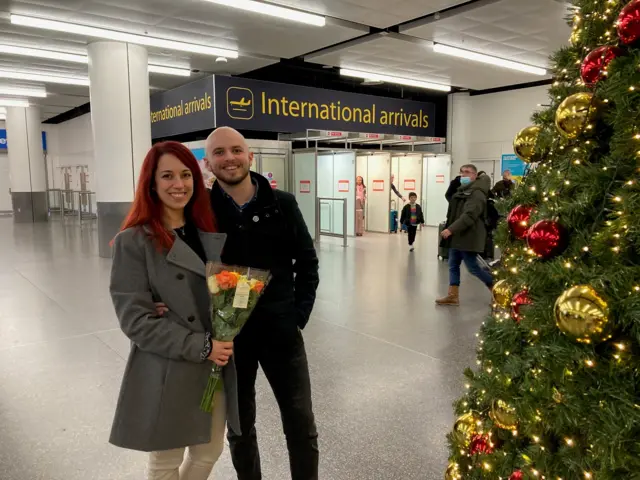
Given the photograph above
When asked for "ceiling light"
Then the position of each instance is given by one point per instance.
(3, 111)
(41, 53)
(3, 116)
(274, 11)
(120, 36)
(23, 91)
(480, 57)
(399, 80)
(44, 77)
(181, 72)
(14, 102)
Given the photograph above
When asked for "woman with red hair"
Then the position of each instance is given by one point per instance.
(159, 257)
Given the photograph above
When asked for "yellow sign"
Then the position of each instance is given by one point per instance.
(183, 108)
(240, 103)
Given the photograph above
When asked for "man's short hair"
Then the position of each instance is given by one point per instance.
(506, 171)
(413, 194)
(470, 166)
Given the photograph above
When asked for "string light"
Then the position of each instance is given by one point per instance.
(590, 363)
(569, 442)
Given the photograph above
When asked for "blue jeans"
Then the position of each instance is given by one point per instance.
(471, 261)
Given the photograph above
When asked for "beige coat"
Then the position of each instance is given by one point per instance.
(159, 403)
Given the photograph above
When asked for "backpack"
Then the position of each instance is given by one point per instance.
(492, 216)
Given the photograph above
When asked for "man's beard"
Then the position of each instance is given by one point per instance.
(232, 179)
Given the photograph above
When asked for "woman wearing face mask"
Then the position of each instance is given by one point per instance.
(361, 198)
(465, 233)
(159, 257)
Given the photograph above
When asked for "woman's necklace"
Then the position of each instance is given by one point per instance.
(180, 230)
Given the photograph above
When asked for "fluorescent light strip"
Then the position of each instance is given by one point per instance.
(274, 11)
(480, 57)
(115, 35)
(180, 72)
(45, 78)
(3, 116)
(3, 111)
(23, 91)
(14, 102)
(399, 80)
(41, 53)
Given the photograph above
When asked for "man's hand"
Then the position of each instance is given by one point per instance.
(404, 200)
(220, 352)
(161, 309)
(446, 233)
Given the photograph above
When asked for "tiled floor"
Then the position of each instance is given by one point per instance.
(385, 363)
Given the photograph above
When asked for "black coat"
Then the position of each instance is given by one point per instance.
(270, 233)
(405, 217)
(453, 188)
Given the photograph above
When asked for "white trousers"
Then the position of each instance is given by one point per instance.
(199, 459)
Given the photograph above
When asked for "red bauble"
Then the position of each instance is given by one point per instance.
(480, 444)
(518, 220)
(594, 64)
(547, 238)
(629, 23)
(518, 301)
(517, 475)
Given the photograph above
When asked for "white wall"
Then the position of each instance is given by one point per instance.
(482, 127)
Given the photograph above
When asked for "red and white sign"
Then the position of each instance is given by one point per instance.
(274, 184)
(439, 178)
(378, 185)
(410, 184)
(372, 136)
(305, 186)
(343, 185)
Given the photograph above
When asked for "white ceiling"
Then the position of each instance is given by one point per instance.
(520, 30)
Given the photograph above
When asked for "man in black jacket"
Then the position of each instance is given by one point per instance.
(265, 230)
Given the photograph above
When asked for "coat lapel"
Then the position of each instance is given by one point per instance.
(183, 256)
(213, 244)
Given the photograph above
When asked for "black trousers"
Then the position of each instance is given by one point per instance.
(411, 230)
(284, 362)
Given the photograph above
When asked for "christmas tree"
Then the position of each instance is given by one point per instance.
(556, 392)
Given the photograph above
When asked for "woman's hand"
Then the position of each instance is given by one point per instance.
(220, 352)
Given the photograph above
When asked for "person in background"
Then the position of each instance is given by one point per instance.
(465, 233)
(361, 199)
(453, 187)
(159, 256)
(412, 216)
(265, 229)
(395, 190)
(503, 188)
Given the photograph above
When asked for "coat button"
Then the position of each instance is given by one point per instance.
(191, 318)
(180, 276)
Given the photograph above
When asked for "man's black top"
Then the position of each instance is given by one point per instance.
(269, 233)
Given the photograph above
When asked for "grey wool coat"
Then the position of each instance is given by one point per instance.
(165, 376)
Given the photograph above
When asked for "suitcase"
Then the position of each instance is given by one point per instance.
(443, 252)
(393, 221)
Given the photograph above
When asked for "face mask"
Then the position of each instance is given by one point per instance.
(465, 180)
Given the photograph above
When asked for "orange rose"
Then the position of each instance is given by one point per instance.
(226, 280)
(258, 286)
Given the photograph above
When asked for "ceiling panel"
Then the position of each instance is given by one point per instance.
(519, 30)
(377, 13)
(392, 56)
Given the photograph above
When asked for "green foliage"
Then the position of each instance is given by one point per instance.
(578, 405)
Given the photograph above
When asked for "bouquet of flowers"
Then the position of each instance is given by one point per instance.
(234, 294)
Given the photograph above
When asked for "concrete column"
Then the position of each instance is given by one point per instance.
(121, 129)
(458, 130)
(26, 165)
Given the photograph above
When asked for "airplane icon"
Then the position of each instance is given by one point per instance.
(240, 103)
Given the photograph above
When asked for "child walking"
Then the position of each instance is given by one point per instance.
(412, 217)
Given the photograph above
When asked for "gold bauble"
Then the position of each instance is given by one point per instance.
(583, 315)
(466, 427)
(452, 472)
(556, 395)
(524, 144)
(504, 415)
(575, 36)
(502, 294)
(576, 114)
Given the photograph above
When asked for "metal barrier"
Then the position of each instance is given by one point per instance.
(85, 208)
(330, 233)
(54, 200)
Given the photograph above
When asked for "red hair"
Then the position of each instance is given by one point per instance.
(147, 208)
